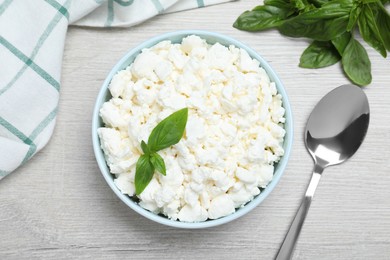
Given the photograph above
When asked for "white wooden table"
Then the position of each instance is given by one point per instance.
(58, 205)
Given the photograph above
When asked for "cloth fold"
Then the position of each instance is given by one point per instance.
(32, 37)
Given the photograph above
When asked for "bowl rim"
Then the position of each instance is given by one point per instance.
(279, 170)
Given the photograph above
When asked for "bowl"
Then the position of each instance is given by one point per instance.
(104, 95)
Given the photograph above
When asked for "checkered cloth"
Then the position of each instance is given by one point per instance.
(32, 36)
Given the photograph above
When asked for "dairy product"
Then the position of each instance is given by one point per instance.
(234, 132)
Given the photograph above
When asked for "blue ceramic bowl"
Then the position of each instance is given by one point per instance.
(104, 95)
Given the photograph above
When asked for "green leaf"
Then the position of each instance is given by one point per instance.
(369, 30)
(282, 4)
(319, 55)
(169, 131)
(383, 24)
(283, 8)
(330, 10)
(286, 7)
(143, 173)
(353, 17)
(299, 4)
(262, 18)
(322, 24)
(322, 30)
(145, 147)
(341, 42)
(356, 63)
(319, 3)
(302, 5)
(158, 163)
(369, 1)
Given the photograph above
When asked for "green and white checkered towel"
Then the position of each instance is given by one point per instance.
(32, 36)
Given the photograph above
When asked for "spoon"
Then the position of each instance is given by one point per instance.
(334, 131)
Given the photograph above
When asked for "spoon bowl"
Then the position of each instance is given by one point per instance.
(337, 125)
(334, 131)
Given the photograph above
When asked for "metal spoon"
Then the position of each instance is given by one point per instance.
(334, 132)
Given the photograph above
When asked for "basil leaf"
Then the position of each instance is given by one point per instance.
(383, 24)
(260, 18)
(169, 131)
(341, 42)
(158, 163)
(369, 30)
(302, 5)
(145, 147)
(286, 8)
(353, 16)
(319, 55)
(322, 30)
(369, 1)
(330, 10)
(356, 63)
(143, 173)
(319, 3)
(322, 24)
(282, 4)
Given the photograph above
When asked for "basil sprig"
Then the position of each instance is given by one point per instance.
(167, 133)
(331, 24)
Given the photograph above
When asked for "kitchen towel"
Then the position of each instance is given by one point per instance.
(32, 36)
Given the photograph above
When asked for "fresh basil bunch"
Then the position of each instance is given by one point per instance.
(331, 24)
(168, 132)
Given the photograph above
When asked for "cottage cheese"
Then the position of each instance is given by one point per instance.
(234, 132)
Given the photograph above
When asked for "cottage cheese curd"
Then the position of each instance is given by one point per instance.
(234, 132)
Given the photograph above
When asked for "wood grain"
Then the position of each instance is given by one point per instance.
(58, 205)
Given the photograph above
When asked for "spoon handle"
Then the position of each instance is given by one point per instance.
(287, 248)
